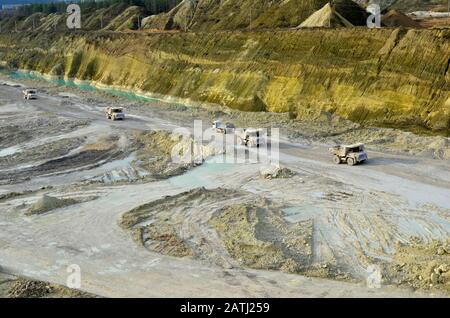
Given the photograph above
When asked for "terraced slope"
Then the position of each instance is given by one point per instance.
(211, 15)
(197, 15)
(384, 77)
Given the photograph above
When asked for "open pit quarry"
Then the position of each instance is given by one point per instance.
(78, 190)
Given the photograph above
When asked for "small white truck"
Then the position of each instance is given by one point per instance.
(115, 113)
(30, 93)
(223, 128)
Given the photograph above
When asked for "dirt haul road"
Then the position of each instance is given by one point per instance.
(358, 213)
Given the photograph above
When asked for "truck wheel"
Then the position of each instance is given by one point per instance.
(336, 160)
(351, 161)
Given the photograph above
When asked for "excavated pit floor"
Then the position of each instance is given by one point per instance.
(135, 219)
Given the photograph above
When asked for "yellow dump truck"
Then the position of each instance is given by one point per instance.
(115, 113)
(350, 154)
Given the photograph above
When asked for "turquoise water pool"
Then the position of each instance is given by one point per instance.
(86, 87)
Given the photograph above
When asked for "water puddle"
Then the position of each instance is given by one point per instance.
(202, 176)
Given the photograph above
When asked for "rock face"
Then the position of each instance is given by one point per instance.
(119, 16)
(212, 15)
(386, 77)
(197, 15)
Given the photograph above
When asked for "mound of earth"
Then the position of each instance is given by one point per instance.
(163, 154)
(162, 238)
(212, 15)
(394, 18)
(276, 172)
(48, 203)
(13, 287)
(170, 227)
(326, 17)
(421, 266)
(224, 227)
(103, 143)
(257, 236)
(154, 154)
